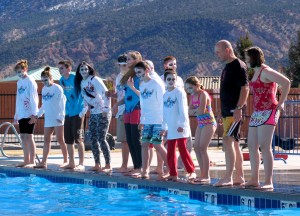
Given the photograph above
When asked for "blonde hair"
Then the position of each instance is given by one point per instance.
(193, 80)
(130, 73)
(22, 64)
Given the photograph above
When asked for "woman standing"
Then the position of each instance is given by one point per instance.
(265, 116)
(200, 106)
(93, 91)
(53, 108)
(26, 108)
(132, 112)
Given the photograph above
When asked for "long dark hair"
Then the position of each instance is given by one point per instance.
(78, 77)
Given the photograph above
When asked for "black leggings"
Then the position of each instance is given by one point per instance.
(134, 143)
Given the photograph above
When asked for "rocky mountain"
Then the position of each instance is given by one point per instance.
(97, 31)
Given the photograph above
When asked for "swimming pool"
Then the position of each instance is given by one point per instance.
(39, 196)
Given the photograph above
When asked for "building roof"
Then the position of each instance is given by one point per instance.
(210, 82)
(36, 74)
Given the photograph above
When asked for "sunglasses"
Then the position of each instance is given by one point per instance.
(169, 79)
(44, 80)
(138, 72)
(172, 64)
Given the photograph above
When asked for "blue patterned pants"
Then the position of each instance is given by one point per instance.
(98, 126)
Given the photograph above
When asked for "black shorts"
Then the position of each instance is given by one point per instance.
(73, 129)
(25, 127)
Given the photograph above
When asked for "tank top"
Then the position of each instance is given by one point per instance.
(264, 95)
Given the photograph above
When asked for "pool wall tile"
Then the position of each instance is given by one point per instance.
(222, 198)
(268, 203)
(275, 204)
(236, 200)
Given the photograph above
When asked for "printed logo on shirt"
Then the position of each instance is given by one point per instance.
(89, 89)
(21, 90)
(147, 93)
(27, 103)
(47, 96)
(169, 102)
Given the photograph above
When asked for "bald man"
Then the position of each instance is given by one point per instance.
(234, 92)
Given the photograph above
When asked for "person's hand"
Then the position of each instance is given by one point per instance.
(33, 119)
(130, 82)
(237, 115)
(162, 133)
(141, 126)
(16, 122)
(180, 129)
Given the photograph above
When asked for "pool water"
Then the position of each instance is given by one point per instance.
(38, 196)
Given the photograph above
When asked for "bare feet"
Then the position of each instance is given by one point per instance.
(201, 181)
(80, 167)
(95, 169)
(122, 170)
(171, 178)
(267, 187)
(142, 176)
(224, 182)
(156, 172)
(240, 181)
(69, 166)
(29, 165)
(133, 172)
(41, 166)
(191, 176)
(252, 184)
(63, 165)
(107, 168)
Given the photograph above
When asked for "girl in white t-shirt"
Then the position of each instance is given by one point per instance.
(53, 109)
(176, 123)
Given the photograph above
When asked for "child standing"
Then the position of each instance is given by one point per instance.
(176, 123)
(200, 106)
(93, 91)
(151, 98)
(26, 108)
(53, 108)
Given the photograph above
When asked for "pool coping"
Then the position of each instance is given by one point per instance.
(205, 193)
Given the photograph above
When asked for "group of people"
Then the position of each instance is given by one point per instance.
(152, 112)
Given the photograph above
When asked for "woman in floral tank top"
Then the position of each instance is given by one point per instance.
(265, 115)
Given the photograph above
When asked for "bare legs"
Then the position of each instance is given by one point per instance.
(29, 150)
(125, 157)
(160, 149)
(71, 152)
(202, 140)
(239, 171)
(261, 137)
(48, 131)
(230, 159)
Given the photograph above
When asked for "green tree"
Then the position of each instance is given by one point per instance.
(241, 45)
(293, 70)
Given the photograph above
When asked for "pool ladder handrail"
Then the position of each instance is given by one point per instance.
(10, 125)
